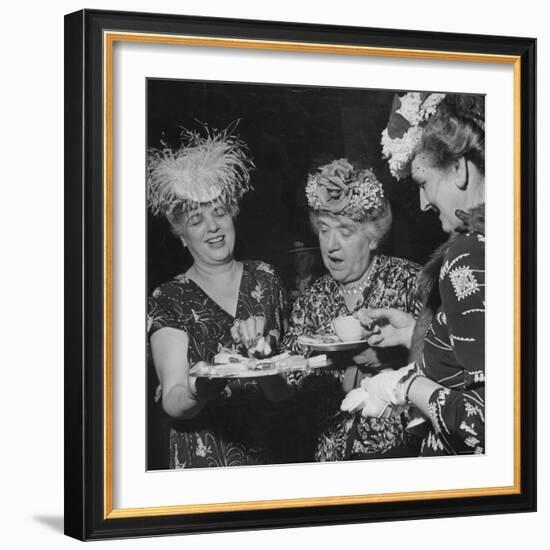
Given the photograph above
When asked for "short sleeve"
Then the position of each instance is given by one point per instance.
(159, 313)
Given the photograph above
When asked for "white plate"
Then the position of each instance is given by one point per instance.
(315, 344)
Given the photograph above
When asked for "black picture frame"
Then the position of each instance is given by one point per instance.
(87, 513)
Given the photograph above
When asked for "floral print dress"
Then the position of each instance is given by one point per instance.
(240, 427)
(340, 435)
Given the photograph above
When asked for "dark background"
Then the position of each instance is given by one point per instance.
(288, 129)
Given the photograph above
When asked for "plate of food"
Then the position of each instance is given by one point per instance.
(233, 365)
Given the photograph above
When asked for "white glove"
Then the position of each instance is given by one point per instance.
(381, 394)
(369, 405)
(384, 386)
(355, 400)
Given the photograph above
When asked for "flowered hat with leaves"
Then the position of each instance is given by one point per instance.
(400, 139)
(340, 188)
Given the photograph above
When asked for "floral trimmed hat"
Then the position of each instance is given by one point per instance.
(206, 168)
(340, 188)
(409, 115)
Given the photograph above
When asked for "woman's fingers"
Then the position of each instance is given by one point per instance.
(251, 328)
(235, 334)
(374, 407)
(367, 357)
(385, 316)
(260, 326)
(393, 317)
(209, 389)
(375, 340)
(203, 388)
(244, 332)
(263, 349)
(370, 405)
(364, 318)
(387, 325)
(354, 401)
(249, 331)
(379, 313)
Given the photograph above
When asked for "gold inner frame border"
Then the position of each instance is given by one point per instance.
(109, 40)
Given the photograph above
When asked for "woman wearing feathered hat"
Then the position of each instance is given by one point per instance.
(440, 140)
(218, 302)
(351, 216)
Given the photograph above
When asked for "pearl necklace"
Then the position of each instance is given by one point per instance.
(357, 289)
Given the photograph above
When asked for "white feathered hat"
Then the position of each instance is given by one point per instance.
(203, 169)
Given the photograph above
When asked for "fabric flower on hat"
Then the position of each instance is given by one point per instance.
(330, 187)
(401, 137)
(410, 109)
(339, 188)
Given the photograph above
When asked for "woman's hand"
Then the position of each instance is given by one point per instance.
(359, 400)
(379, 395)
(374, 398)
(367, 358)
(251, 334)
(275, 388)
(388, 327)
(204, 389)
(385, 387)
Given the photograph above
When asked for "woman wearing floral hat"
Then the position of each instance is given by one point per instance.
(440, 140)
(351, 217)
(218, 302)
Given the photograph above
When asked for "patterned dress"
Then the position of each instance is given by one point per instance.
(339, 435)
(240, 427)
(454, 352)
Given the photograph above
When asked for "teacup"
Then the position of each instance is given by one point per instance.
(348, 328)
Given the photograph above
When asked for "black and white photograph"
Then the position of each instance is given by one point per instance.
(254, 277)
(315, 274)
(276, 274)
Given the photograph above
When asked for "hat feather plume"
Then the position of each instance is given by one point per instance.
(204, 168)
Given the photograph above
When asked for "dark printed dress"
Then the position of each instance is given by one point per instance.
(340, 435)
(454, 352)
(240, 427)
